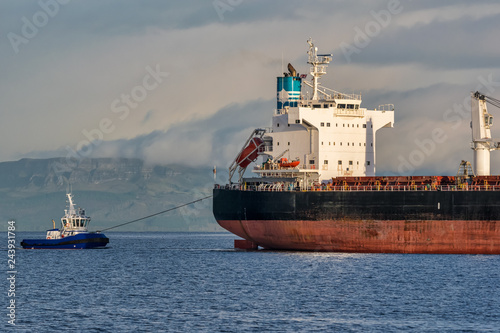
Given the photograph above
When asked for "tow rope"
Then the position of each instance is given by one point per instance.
(162, 212)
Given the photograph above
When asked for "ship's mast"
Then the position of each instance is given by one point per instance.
(319, 63)
(71, 210)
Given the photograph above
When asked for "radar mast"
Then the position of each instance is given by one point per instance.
(319, 63)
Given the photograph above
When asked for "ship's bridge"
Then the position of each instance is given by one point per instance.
(325, 129)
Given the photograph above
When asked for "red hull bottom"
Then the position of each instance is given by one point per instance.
(450, 237)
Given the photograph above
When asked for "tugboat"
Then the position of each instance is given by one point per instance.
(72, 235)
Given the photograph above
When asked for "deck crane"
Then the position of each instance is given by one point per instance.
(481, 123)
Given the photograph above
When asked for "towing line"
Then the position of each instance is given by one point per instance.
(162, 212)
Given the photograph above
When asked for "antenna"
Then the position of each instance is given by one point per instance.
(319, 63)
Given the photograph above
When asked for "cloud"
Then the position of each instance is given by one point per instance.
(211, 141)
(221, 81)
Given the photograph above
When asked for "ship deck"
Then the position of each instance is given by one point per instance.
(390, 183)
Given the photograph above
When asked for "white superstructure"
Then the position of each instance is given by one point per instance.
(73, 222)
(329, 132)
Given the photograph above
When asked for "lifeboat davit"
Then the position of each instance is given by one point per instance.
(284, 163)
(250, 153)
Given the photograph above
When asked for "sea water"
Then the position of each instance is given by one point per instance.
(197, 282)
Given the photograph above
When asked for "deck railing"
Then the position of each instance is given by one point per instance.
(361, 188)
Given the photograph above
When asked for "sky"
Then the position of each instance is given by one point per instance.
(186, 82)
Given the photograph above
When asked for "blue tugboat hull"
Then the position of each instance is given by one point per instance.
(79, 241)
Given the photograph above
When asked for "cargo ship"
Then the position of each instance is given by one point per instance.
(330, 199)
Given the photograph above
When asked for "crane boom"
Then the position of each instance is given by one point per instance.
(481, 123)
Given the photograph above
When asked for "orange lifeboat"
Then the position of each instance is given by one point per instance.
(250, 153)
(284, 163)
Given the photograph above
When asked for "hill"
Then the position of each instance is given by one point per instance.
(113, 191)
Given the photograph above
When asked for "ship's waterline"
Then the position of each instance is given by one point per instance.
(364, 221)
